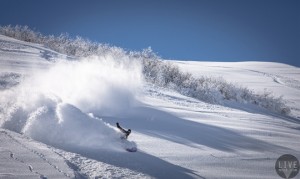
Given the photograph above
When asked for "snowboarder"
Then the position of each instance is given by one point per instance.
(126, 133)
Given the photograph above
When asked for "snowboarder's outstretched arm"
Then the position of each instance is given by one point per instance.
(123, 130)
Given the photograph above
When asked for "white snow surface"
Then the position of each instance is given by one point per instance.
(58, 115)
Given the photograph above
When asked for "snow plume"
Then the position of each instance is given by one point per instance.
(57, 106)
(100, 85)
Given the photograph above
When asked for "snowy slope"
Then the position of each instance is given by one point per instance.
(281, 79)
(22, 157)
(72, 106)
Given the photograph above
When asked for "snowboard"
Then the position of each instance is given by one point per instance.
(133, 149)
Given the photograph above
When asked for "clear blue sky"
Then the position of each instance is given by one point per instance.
(209, 30)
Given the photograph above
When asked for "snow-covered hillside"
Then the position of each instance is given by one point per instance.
(280, 79)
(58, 115)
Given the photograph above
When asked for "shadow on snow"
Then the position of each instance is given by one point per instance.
(161, 124)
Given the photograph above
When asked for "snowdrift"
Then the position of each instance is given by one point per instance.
(58, 105)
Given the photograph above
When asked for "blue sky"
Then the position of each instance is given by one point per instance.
(208, 30)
